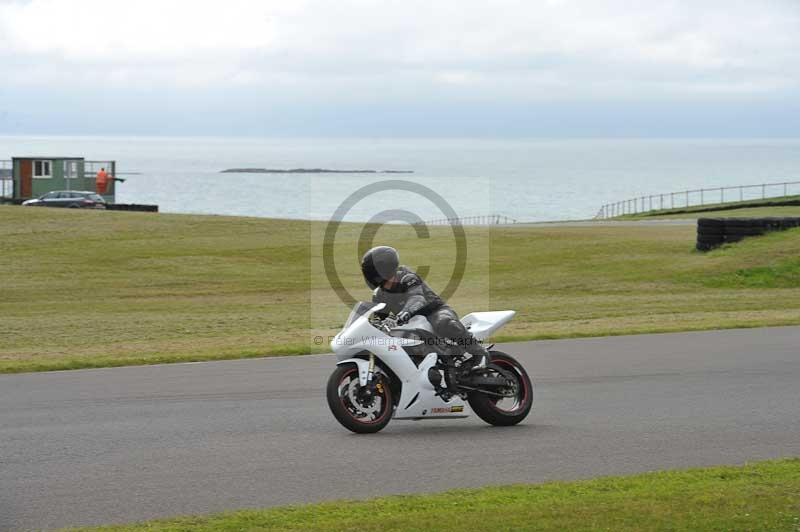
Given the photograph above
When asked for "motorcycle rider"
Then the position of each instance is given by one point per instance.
(407, 295)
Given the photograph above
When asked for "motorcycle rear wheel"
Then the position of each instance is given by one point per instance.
(351, 408)
(496, 411)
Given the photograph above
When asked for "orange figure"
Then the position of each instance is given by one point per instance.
(102, 181)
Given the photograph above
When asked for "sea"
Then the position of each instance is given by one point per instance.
(523, 180)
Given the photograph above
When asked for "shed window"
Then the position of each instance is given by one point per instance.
(42, 169)
(70, 169)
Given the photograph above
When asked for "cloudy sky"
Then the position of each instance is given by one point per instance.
(401, 68)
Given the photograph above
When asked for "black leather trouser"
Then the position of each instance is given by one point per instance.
(446, 324)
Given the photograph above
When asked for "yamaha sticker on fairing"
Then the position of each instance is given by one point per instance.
(447, 410)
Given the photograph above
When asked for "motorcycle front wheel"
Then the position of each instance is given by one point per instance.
(362, 410)
(504, 411)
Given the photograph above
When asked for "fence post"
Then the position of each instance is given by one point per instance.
(702, 197)
(687, 198)
(763, 190)
(722, 194)
(741, 193)
(785, 189)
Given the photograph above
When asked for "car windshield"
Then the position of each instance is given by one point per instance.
(359, 309)
(96, 197)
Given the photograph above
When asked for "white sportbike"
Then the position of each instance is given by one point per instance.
(386, 371)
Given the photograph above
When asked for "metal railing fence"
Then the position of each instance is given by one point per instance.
(698, 197)
(490, 219)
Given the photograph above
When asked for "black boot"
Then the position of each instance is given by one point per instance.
(480, 356)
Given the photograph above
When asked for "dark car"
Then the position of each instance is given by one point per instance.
(74, 199)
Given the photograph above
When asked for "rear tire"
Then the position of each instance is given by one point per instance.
(347, 412)
(487, 408)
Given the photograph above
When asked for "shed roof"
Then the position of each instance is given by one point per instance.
(49, 157)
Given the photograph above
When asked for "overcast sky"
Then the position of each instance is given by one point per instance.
(401, 68)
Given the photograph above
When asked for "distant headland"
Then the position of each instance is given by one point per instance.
(309, 171)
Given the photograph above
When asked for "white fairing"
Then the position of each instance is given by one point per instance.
(483, 324)
(418, 399)
(417, 322)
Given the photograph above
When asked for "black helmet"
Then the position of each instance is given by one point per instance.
(379, 264)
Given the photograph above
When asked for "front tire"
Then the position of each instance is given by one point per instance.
(495, 411)
(356, 410)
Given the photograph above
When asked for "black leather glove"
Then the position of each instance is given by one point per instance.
(403, 317)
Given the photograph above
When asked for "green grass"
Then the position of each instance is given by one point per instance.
(89, 289)
(762, 496)
(783, 274)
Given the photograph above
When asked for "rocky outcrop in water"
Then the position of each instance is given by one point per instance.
(309, 171)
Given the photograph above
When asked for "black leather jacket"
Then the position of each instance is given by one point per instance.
(409, 294)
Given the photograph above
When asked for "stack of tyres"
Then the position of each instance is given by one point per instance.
(713, 232)
(789, 223)
(710, 233)
(739, 228)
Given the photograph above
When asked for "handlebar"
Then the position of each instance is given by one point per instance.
(386, 324)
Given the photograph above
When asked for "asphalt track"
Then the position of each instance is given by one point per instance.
(117, 445)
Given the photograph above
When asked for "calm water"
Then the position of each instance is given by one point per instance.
(524, 179)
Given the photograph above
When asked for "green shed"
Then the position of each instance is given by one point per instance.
(32, 177)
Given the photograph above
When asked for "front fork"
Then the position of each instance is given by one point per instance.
(372, 386)
(371, 370)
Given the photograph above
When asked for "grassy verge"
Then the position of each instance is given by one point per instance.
(89, 289)
(763, 496)
(749, 212)
(788, 206)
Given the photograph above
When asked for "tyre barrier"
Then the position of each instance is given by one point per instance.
(713, 232)
(131, 207)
